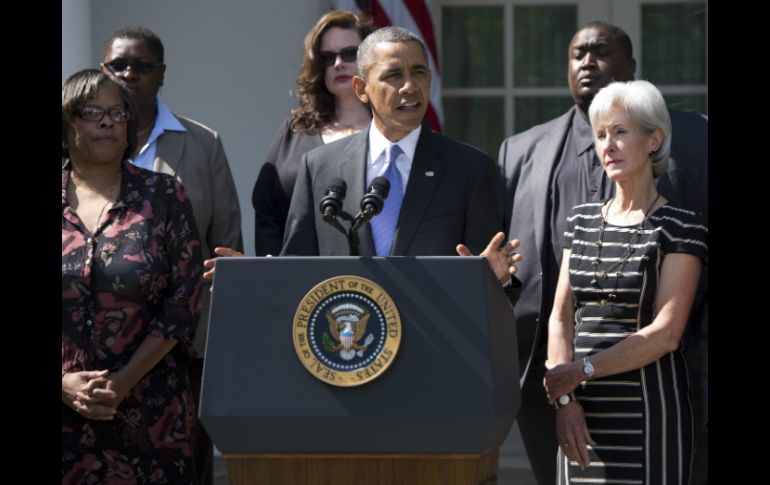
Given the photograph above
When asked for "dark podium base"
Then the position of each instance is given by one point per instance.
(370, 469)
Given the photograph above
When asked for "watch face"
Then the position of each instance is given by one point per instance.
(564, 400)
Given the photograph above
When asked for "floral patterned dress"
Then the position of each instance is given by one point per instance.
(139, 274)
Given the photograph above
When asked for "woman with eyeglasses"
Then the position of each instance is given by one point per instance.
(328, 110)
(131, 267)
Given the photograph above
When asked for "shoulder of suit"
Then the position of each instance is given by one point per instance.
(196, 128)
(688, 120)
(458, 148)
(542, 130)
(342, 145)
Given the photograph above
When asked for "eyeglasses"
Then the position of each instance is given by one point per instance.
(95, 113)
(116, 67)
(348, 54)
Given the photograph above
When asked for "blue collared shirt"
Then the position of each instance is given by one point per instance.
(164, 121)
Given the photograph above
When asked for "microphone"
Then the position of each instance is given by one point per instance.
(331, 203)
(373, 201)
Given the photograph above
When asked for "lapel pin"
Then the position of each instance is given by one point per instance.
(429, 173)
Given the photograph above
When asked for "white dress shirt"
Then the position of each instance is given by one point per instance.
(378, 144)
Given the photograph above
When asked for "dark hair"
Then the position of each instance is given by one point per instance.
(82, 87)
(398, 35)
(616, 34)
(140, 33)
(316, 103)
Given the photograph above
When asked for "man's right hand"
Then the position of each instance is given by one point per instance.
(209, 264)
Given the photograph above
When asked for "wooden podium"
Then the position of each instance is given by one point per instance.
(344, 469)
(437, 415)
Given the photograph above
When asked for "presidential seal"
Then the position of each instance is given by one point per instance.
(347, 331)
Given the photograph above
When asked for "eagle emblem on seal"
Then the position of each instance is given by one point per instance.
(347, 326)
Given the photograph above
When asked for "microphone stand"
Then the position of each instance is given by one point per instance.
(371, 204)
(350, 234)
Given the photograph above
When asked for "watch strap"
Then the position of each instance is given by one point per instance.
(588, 365)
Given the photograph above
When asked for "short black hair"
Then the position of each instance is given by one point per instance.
(616, 33)
(141, 33)
(386, 34)
(82, 87)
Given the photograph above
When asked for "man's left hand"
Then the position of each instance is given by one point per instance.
(499, 254)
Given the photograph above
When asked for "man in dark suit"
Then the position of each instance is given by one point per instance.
(443, 194)
(552, 167)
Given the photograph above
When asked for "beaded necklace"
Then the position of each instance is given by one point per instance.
(621, 263)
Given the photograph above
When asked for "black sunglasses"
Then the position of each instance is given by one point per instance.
(348, 54)
(117, 67)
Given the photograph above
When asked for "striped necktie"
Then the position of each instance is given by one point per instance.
(384, 224)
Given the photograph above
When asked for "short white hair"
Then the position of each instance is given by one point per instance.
(645, 104)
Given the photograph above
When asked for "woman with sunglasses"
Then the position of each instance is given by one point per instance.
(131, 267)
(328, 110)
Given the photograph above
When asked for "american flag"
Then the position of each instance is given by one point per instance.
(413, 15)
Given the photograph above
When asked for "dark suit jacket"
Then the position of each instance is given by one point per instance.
(451, 197)
(526, 164)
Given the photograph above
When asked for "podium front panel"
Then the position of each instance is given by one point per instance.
(452, 387)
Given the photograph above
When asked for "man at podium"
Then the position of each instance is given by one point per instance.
(396, 189)
(442, 197)
(434, 196)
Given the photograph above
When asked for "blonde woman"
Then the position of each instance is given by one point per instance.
(630, 270)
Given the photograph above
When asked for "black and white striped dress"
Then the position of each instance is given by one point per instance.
(641, 420)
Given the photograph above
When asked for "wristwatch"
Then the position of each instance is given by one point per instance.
(564, 400)
(588, 368)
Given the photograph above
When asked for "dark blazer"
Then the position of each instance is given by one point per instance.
(275, 184)
(451, 197)
(526, 164)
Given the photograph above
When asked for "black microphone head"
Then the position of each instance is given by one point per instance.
(331, 203)
(382, 184)
(374, 199)
(338, 185)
